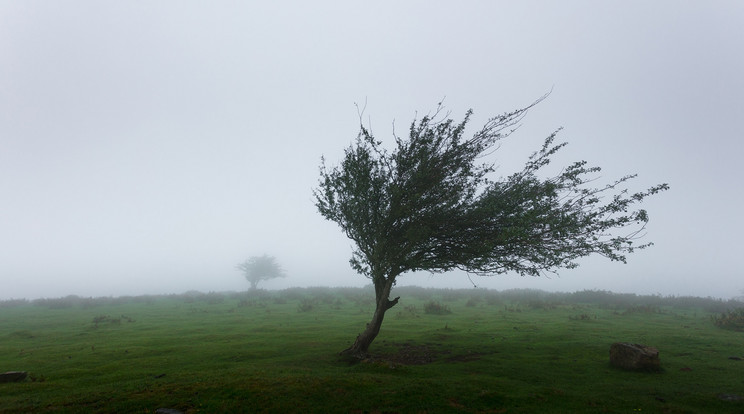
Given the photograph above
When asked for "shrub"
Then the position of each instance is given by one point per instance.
(453, 295)
(732, 319)
(435, 308)
(417, 292)
(245, 302)
(59, 303)
(306, 305)
(516, 308)
(541, 304)
(642, 309)
(10, 303)
(214, 298)
(321, 295)
(105, 318)
(494, 300)
(408, 311)
(472, 302)
(293, 293)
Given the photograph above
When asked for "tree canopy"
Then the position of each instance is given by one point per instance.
(432, 204)
(259, 268)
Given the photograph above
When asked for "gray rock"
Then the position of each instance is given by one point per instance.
(634, 357)
(730, 397)
(13, 376)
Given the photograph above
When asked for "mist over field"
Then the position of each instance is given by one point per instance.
(149, 148)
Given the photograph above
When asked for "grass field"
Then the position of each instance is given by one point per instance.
(494, 352)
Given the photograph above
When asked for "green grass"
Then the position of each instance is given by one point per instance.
(510, 352)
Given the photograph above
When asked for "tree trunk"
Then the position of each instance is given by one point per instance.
(364, 339)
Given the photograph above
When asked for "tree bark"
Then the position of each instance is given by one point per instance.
(364, 340)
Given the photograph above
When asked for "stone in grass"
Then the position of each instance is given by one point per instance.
(13, 376)
(730, 397)
(168, 411)
(634, 357)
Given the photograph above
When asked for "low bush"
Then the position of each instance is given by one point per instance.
(247, 302)
(436, 308)
(472, 302)
(642, 309)
(306, 305)
(408, 311)
(541, 304)
(10, 303)
(732, 319)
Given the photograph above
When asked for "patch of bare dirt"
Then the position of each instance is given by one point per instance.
(470, 356)
(407, 353)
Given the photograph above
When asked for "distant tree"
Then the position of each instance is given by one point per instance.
(259, 268)
(429, 204)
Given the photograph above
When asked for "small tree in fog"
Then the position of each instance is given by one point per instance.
(259, 268)
(430, 204)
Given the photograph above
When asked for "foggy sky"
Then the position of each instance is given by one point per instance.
(149, 147)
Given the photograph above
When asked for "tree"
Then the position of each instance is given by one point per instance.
(430, 204)
(259, 268)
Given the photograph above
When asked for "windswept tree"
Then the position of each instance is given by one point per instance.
(431, 204)
(259, 268)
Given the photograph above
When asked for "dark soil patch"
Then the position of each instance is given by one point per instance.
(407, 353)
(470, 356)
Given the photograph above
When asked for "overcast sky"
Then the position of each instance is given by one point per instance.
(149, 147)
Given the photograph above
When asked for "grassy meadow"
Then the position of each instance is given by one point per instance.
(458, 351)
